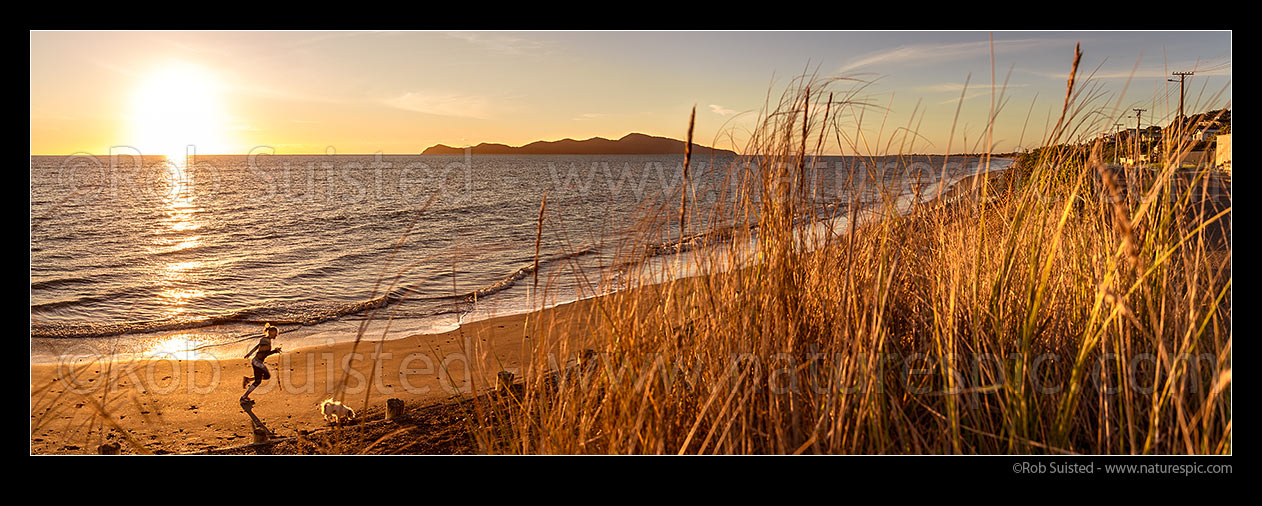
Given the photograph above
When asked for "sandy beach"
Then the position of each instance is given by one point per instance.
(167, 406)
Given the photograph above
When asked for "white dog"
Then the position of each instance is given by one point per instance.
(335, 412)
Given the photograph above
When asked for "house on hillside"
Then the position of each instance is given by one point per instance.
(1203, 131)
(1204, 126)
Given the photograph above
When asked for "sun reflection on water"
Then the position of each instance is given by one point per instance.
(184, 266)
(178, 347)
(177, 298)
(178, 278)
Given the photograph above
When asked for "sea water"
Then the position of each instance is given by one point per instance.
(144, 256)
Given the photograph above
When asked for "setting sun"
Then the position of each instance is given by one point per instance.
(177, 106)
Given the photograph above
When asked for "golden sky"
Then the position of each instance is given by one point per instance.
(400, 92)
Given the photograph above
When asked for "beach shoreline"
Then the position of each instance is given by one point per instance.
(165, 405)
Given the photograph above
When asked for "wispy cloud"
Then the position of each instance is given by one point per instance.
(443, 104)
(118, 69)
(589, 116)
(943, 52)
(320, 38)
(501, 43)
(970, 96)
(721, 111)
(958, 87)
(1204, 68)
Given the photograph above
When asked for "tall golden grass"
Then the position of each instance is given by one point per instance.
(1067, 306)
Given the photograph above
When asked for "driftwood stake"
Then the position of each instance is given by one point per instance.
(505, 381)
(394, 409)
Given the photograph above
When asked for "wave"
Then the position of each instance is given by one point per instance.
(284, 314)
(62, 282)
(87, 299)
(278, 315)
(526, 270)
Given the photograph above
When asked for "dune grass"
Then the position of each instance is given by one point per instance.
(1067, 307)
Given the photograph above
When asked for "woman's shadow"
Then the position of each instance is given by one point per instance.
(261, 433)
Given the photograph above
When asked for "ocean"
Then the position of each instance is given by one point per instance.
(138, 256)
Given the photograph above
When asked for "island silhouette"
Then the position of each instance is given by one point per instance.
(630, 144)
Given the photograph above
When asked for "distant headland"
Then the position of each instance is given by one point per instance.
(630, 144)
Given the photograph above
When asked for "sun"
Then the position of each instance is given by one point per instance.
(175, 106)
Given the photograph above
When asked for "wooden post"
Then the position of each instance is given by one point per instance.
(506, 381)
(394, 409)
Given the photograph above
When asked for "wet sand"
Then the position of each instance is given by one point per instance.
(163, 405)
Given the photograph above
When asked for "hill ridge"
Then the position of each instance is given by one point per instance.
(630, 144)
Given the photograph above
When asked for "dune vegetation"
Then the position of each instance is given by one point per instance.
(1067, 305)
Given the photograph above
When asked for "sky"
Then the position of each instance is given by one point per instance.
(309, 92)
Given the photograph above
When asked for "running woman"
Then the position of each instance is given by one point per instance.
(264, 349)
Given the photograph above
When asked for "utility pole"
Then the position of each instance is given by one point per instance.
(1117, 142)
(1139, 147)
(1181, 76)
